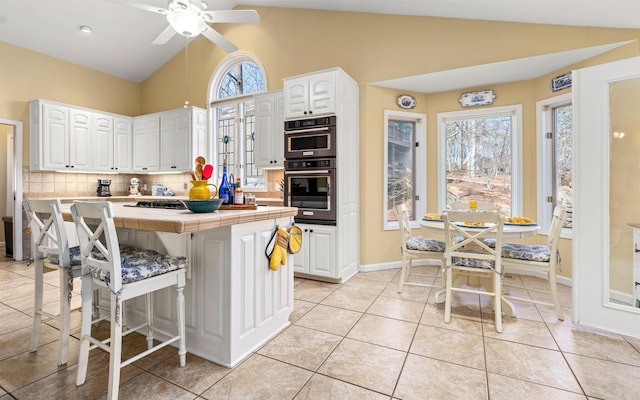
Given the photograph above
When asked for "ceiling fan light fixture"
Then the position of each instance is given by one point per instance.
(186, 20)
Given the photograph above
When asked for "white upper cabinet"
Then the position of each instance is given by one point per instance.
(310, 95)
(269, 129)
(70, 138)
(123, 144)
(175, 140)
(61, 137)
(112, 141)
(146, 143)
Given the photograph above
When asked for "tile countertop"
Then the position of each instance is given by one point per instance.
(265, 201)
(182, 221)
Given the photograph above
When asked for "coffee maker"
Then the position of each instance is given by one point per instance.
(103, 188)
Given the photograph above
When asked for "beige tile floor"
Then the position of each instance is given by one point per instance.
(358, 340)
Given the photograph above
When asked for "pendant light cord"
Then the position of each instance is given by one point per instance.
(186, 73)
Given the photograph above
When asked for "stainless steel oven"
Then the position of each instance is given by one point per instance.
(310, 185)
(310, 138)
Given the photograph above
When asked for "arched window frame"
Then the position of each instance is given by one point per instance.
(239, 167)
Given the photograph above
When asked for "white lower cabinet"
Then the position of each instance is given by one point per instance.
(317, 255)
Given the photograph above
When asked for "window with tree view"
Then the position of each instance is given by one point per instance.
(478, 158)
(405, 175)
(563, 160)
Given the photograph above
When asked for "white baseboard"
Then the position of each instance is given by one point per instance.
(562, 280)
(620, 297)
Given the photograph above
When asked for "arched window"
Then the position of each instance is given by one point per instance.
(231, 90)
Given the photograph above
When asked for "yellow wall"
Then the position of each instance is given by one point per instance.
(5, 131)
(369, 47)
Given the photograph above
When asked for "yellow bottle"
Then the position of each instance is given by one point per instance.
(238, 195)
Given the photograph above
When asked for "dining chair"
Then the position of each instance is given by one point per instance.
(51, 252)
(417, 248)
(541, 258)
(468, 255)
(126, 273)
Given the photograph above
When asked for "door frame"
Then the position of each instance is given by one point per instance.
(17, 170)
(591, 255)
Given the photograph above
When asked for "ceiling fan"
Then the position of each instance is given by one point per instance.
(191, 18)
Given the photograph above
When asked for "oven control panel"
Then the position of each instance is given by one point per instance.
(312, 163)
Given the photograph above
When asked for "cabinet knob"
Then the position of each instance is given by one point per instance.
(310, 112)
(635, 248)
(305, 113)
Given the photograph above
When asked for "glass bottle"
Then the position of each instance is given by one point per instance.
(238, 195)
(224, 190)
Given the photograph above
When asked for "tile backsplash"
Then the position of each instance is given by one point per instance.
(40, 184)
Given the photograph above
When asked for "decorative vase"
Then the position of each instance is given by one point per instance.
(201, 191)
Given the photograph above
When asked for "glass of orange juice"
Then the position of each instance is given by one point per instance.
(473, 205)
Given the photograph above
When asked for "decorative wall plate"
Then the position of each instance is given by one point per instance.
(561, 82)
(479, 98)
(406, 101)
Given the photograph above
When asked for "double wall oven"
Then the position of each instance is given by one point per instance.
(310, 169)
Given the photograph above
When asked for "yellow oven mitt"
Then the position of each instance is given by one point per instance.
(279, 253)
(295, 239)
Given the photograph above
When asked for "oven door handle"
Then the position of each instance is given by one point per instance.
(315, 172)
(326, 128)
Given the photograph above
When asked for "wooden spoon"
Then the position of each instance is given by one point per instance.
(199, 171)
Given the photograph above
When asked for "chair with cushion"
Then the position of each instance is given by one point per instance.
(126, 273)
(416, 248)
(466, 254)
(50, 251)
(542, 258)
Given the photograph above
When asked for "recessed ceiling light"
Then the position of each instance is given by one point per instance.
(85, 28)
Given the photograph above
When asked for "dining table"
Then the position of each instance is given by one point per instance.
(510, 231)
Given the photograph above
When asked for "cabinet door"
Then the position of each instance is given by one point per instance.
(103, 135)
(146, 143)
(122, 144)
(301, 259)
(636, 267)
(264, 140)
(322, 93)
(80, 147)
(296, 92)
(175, 142)
(199, 134)
(278, 130)
(55, 137)
(322, 251)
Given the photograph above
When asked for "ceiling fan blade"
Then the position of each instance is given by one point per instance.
(164, 36)
(232, 16)
(143, 6)
(219, 40)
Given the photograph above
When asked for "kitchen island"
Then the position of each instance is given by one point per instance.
(234, 301)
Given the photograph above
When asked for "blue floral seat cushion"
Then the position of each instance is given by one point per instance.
(138, 264)
(525, 252)
(471, 262)
(425, 244)
(519, 251)
(74, 256)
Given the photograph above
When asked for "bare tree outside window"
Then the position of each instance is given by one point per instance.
(400, 166)
(478, 161)
(563, 158)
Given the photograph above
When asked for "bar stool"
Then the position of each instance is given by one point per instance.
(126, 273)
(50, 251)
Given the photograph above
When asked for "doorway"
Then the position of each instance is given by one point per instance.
(11, 190)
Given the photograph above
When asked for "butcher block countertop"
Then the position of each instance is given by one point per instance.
(183, 221)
